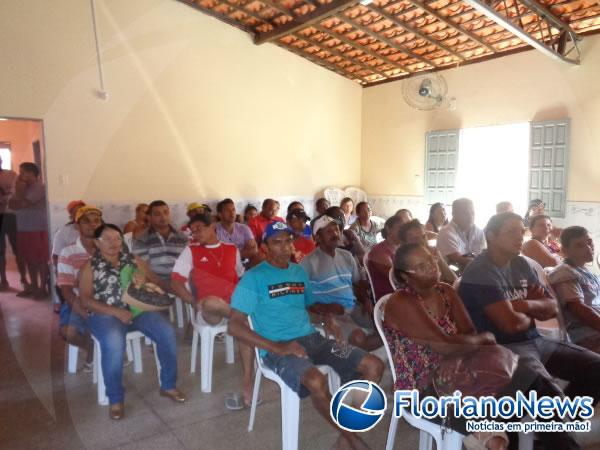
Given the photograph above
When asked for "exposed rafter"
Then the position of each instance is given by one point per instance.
(322, 12)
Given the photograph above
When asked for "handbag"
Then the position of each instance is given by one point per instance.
(147, 297)
(484, 371)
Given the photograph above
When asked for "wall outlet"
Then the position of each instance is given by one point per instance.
(63, 180)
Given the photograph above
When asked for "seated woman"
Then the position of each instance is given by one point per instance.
(303, 244)
(541, 247)
(138, 225)
(364, 227)
(102, 282)
(425, 321)
(413, 233)
(404, 214)
(536, 208)
(381, 257)
(250, 212)
(437, 218)
(347, 205)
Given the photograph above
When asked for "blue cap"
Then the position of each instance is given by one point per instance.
(275, 228)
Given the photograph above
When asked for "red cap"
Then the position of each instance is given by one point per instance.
(74, 204)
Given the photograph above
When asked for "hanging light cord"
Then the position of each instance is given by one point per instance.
(98, 58)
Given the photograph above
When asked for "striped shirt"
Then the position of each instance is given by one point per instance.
(332, 279)
(158, 252)
(70, 261)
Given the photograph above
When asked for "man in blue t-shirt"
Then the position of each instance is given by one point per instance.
(504, 296)
(275, 295)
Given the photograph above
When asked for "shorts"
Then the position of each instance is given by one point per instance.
(8, 229)
(33, 246)
(68, 317)
(320, 351)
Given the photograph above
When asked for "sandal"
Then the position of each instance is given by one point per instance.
(478, 441)
(234, 401)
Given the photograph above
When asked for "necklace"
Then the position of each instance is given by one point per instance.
(218, 260)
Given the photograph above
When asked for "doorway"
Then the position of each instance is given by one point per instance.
(24, 230)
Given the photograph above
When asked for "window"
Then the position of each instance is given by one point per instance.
(5, 156)
(515, 162)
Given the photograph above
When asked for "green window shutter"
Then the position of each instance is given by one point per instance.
(441, 158)
(548, 164)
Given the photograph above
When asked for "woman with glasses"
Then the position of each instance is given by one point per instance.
(102, 283)
(425, 321)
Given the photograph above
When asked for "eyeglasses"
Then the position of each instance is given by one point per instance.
(423, 268)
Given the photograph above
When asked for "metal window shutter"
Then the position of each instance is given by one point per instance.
(441, 157)
(548, 164)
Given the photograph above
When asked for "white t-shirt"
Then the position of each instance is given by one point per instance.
(452, 239)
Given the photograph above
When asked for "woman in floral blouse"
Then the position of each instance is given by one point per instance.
(102, 282)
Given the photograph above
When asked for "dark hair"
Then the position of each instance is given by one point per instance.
(267, 200)
(98, 232)
(389, 224)
(532, 204)
(497, 221)
(401, 210)
(249, 207)
(346, 200)
(430, 221)
(320, 201)
(534, 219)
(400, 257)
(405, 228)
(30, 167)
(222, 203)
(570, 233)
(292, 206)
(205, 218)
(155, 204)
(360, 205)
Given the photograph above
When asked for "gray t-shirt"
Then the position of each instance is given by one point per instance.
(574, 284)
(484, 283)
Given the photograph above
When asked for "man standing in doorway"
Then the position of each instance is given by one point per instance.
(29, 203)
(7, 221)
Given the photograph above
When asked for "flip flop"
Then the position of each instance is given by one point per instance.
(234, 401)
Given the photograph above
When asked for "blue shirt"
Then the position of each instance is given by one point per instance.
(276, 301)
(484, 283)
(332, 279)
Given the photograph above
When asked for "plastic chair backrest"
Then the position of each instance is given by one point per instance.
(366, 266)
(256, 352)
(378, 317)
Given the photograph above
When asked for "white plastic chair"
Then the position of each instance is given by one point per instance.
(429, 431)
(176, 312)
(134, 351)
(73, 355)
(207, 334)
(366, 266)
(290, 401)
(392, 278)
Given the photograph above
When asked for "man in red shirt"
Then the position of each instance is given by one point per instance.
(213, 268)
(267, 215)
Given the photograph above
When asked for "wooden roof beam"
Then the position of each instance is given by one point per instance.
(414, 31)
(432, 12)
(389, 42)
(307, 20)
(364, 48)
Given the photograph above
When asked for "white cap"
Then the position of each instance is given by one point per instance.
(321, 223)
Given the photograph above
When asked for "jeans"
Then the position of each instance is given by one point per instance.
(110, 333)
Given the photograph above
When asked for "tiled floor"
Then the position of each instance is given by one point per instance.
(43, 407)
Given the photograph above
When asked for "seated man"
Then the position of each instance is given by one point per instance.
(73, 317)
(267, 215)
(275, 294)
(193, 209)
(232, 232)
(160, 245)
(578, 289)
(335, 280)
(503, 294)
(213, 268)
(460, 241)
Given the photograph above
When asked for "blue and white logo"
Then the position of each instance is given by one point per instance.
(351, 418)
